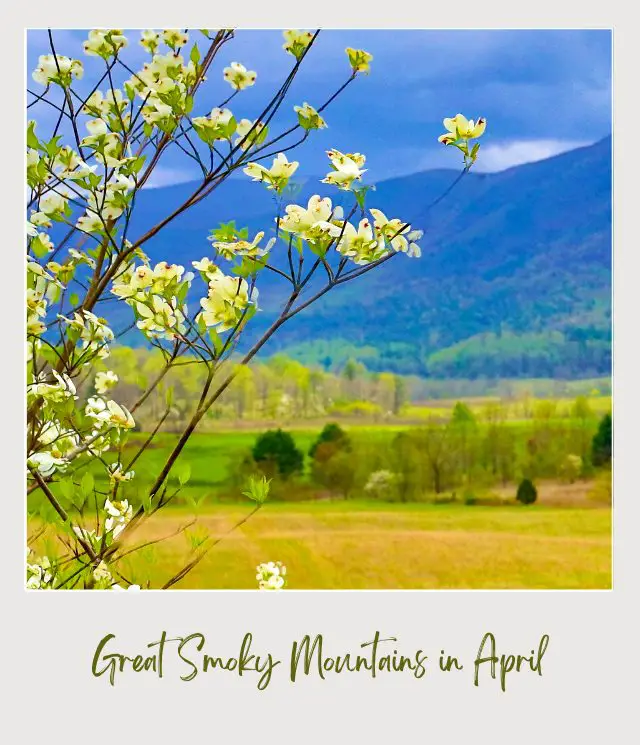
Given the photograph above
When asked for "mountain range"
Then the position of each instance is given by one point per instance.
(514, 278)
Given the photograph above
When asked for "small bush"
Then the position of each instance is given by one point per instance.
(469, 498)
(334, 434)
(601, 443)
(380, 484)
(527, 492)
(572, 468)
(337, 473)
(277, 455)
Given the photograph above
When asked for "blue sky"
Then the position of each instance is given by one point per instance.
(542, 92)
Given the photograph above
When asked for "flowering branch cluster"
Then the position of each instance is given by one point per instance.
(82, 255)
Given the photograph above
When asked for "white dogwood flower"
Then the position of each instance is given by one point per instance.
(359, 59)
(396, 233)
(102, 573)
(104, 381)
(276, 177)
(119, 514)
(58, 69)
(149, 40)
(347, 168)
(53, 202)
(88, 536)
(250, 133)
(54, 393)
(300, 220)
(296, 42)
(308, 117)
(40, 573)
(58, 440)
(159, 316)
(46, 463)
(219, 125)
(360, 244)
(133, 282)
(174, 37)
(238, 76)
(230, 249)
(227, 299)
(104, 43)
(118, 475)
(94, 332)
(459, 127)
(206, 266)
(90, 223)
(108, 413)
(271, 575)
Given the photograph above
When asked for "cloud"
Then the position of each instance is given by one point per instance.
(500, 156)
(523, 81)
(166, 176)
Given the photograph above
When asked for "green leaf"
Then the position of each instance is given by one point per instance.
(53, 147)
(228, 231)
(184, 474)
(32, 140)
(67, 489)
(195, 54)
(183, 289)
(46, 512)
(215, 339)
(87, 484)
(137, 164)
(258, 489)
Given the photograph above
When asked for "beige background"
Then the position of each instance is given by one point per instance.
(589, 688)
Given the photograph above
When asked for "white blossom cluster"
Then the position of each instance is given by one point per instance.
(380, 482)
(228, 297)
(103, 579)
(271, 575)
(322, 226)
(153, 294)
(41, 574)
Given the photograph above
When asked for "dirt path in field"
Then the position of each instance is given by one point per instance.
(557, 494)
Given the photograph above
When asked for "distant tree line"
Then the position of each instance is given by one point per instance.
(460, 457)
(282, 389)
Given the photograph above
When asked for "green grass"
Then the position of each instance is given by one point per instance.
(211, 456)
(345, 545)
(555, 543)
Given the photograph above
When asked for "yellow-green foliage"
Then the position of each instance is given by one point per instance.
(602, 490)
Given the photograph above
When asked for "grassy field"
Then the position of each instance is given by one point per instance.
(359, 545)
(212, 457)
(561, 542)
(515, 410)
